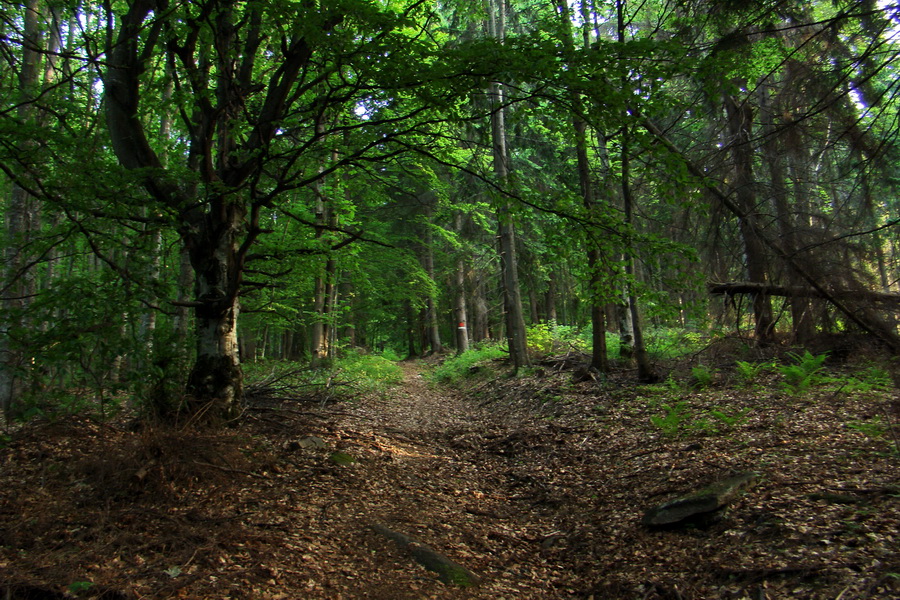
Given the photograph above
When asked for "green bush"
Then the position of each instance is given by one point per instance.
(804, 373)
(749, 372)
(874, 428)
(675, 418)
(877, 429)
(703, 376)
(872, 379)
(465, 365)
(550, 338)
(368, 372)
(391, 354)
(670, 342)
(730, 421)
(350, 374)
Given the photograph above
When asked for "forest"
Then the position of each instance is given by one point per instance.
(255, 247)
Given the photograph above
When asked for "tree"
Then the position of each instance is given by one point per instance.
(250, 89)
(509, 266)
(276, 154)
(22, 215)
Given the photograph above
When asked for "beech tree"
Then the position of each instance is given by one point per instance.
(252, 85)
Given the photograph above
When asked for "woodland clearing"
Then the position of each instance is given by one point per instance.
(537, 484)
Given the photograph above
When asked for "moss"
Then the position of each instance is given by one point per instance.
(342, 458)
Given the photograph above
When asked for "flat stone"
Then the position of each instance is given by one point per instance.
(312, 442)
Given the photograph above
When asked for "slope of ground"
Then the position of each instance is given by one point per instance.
(537, 485)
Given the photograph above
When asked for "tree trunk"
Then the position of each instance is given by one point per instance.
(182, 321)
(318, 331)
(509, 266)
(459, 304)
(550, 298)
(459, 310)
(599, 359)
(646, 373)
(215, 383)
(740, 119)
(411, 351)
(481, 329)
(432, 327)
(18, 279)
(348, 331)
(512, 300)
(802, 325)
(626, 329)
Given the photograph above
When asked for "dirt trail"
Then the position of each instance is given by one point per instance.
(428, 472)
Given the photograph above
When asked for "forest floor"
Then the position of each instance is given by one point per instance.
(536, 484)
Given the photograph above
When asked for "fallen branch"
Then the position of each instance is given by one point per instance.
(447, 570)
(764, 572)
(229, 469)
(751, 287)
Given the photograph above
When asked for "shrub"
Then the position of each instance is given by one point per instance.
(549, 338)
(465, 365)
(667, 342)
(804, 373)
(350, 374)
(703, 376)
(749, 372)
(368, 372)
(674, 419)
(730, 421)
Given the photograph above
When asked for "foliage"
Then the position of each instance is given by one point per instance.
(368, 372)
(458, 368)
(803, 373)
(674, 342)
(391, 355)
(550, 338)
(76, 588)
(872, 379)
(878, 428)
(748, 373)
(873, 428)
(680, 418)
(703, 376)
(348, 143)
(354, 373)
(675, 418)
(730, 421)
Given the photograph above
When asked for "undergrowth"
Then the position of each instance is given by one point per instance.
(349, 375)
(465, 365)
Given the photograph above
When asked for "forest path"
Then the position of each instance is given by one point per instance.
(433, 467)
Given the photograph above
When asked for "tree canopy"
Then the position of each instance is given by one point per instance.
(190, 185)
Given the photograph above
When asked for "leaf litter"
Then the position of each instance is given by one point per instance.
(536, 485)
